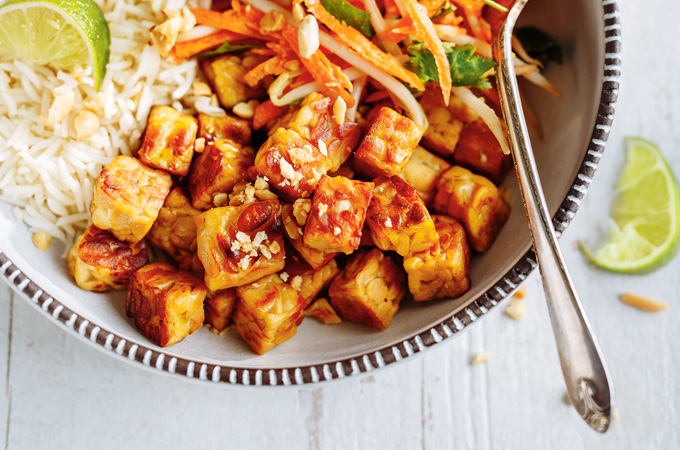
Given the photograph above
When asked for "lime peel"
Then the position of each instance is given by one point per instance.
(645, 231)
(61, 33)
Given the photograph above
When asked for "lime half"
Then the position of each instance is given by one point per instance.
(645, 214)
(60, 33)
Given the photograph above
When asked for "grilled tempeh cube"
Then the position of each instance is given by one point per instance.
(337, 216)
(309, 282)
(475, 202)
(218, 307)
(166, 303)
(99, 262)
(239, 244)
(267, 313)
(398, 218)
(226, 75)
(322, 310)
(127, 197)
(368, 290)
(314, 121)
(224, 127)
(387, 145)
(291, 165)
(169, 140)
(443, 273)
(175, 230)
(422, 172)
(217, 170)
(445, 126)
(294, 232)
(479, 150)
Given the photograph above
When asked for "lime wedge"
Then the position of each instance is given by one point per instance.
(645, 215)
(60, 33)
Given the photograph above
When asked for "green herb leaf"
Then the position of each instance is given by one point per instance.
(539, 45)
(344, 11)
(224, 49)
(467, 68)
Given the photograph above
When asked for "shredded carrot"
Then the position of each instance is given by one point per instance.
(332, 81)
(266, 112)
(361, 45)
(432, 6)
(186, 49)
(473, 14)
(272, 66)
(427, 32)
(245, 23)
(377, 96)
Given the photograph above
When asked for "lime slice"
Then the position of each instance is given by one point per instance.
(60, 33)
(645, 214)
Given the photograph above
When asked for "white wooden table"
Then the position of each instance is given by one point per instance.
(62, 394)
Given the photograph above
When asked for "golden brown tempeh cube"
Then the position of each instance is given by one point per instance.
(268, 313)
(218, 307)
(225, 127)
(337, 216)
(166, 303)
(127, 197)
(475, 202)
(368, 289)
(479, 150)
(398, 218)
(175, 230)
(387, 145)
(444, 273)
(290, 164)
(99, 262)
(217, 170)
(294, 232)
(322, 310)
(422, 172)
(309, 282)
(445, 125)
(239, 244)
(169, 140)
(226, 75)
(314, 121)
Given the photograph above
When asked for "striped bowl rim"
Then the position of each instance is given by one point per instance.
(110, 342)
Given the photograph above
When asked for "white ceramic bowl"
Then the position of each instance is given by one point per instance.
(575, 130)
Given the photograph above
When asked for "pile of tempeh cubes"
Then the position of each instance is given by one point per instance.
(330, 218)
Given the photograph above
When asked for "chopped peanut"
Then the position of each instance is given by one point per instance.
(516, 309)
(643, 304)
(61, 107)
(86, 124)
(201, 89)
(245, 110)
(42, 241)
(164, 36)
(308, 36)
(480, 358)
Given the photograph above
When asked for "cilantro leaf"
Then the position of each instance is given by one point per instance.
(345, 12)
(467, 68)
(539, 45)
(224, 49)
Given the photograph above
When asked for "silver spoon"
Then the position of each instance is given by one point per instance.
(584, 370)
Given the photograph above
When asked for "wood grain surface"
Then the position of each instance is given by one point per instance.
(63, 394)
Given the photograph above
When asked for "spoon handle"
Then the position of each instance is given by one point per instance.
(583, 368)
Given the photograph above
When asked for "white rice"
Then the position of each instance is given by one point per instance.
(44, 171)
